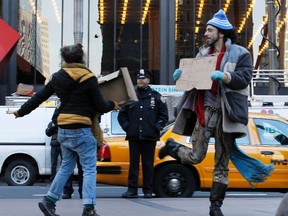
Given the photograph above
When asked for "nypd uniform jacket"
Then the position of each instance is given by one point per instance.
(144, 119)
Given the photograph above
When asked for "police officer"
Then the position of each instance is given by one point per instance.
(142, 121)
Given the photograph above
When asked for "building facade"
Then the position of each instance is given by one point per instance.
(150, 34)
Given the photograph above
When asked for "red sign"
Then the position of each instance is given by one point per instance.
(8, 41)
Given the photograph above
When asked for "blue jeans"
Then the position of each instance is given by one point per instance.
(76, 142)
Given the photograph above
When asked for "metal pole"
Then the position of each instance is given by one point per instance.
(35, 44)
(78, 21)
(114, 36)
(62, 19)
(88, 35)
(272, 88)
(193, 26)
(141, 32)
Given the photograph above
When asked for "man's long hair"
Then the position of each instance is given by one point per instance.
(232, 34)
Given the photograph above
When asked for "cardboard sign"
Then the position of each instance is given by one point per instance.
(196, 73)
(118, 86)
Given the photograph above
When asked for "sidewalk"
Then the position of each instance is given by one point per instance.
(147, 207)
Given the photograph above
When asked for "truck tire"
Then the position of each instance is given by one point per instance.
(174, 180)
(20, 173)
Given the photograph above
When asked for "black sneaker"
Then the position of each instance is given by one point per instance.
(129, 194)
(47, 207)
(66, 196)
(89, 212)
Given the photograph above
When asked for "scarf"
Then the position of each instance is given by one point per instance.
(254, 171)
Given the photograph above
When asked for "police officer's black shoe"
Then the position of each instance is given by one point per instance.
(148, 195)
(129, 194)
(66, 196)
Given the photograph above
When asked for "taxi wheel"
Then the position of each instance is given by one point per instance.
(174, 180)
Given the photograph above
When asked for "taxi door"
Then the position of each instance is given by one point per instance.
(273, 149)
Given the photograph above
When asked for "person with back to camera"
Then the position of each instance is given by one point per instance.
(52, 131)
(221, 112)
(55, 152)
(142, 121)
(78, 89)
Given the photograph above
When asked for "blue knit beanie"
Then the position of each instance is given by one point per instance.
(220, 21)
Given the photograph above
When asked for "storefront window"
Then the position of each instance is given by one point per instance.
(45, 28)
(131, 35)
(126, 33)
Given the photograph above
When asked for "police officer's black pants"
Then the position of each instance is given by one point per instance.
(146, 149)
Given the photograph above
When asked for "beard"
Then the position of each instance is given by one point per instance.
(212, 41)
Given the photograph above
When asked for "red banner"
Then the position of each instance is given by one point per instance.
(8, 41)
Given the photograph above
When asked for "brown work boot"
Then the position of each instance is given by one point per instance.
(171, 148)
(217, 196)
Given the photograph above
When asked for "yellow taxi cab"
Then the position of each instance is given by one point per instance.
(266, 140)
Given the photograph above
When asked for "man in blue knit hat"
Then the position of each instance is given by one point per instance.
(220, 112)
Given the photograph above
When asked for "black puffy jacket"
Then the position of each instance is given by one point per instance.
(144, 119)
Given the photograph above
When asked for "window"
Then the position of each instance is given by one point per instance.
(115, 126)
(272, 132)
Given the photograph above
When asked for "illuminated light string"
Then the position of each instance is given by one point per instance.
(32, 4)
(199, 15)
(124, 12)
(264, 47)
(101, 11)
(257, 32)
(226, 5)
(246, 16)
(56, 11)
(145, 11)
(176, 19)
(200, 9)
(280, 26)
(55, 8)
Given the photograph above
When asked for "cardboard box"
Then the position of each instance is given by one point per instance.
(25, 90)
(196, 73)
(118, 87)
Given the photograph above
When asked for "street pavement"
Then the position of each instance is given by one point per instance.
(147, 207)
(23, 201)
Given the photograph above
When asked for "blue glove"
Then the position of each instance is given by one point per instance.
(217, 75)
(177, 73)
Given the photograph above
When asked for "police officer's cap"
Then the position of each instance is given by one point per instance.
(142, 73)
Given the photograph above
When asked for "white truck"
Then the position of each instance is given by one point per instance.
(24, 146)
(269, 104)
